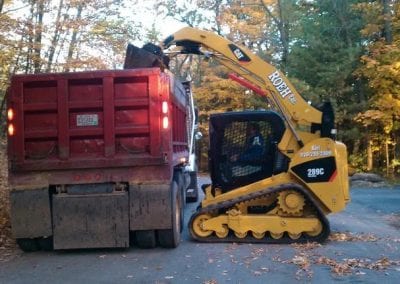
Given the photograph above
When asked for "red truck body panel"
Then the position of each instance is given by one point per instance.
(98, 126)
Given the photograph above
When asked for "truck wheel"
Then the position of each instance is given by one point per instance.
(145, 239)
(28, 245)
(192, 192)
(179, 182)
(170, 238)
(46, 244)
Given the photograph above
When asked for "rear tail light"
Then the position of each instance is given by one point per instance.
(165, 122)
(164, 107)
(10, 117)
(164, 110)
(11, 130)
(10, 114)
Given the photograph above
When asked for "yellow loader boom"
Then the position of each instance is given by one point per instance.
(299, 174)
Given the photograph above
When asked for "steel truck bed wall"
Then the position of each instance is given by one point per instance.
(101, 119)
(94, 155)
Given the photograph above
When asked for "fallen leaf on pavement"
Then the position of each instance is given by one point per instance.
(351, 237)
(212, 281)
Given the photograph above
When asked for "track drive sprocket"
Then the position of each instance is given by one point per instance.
(291, 202)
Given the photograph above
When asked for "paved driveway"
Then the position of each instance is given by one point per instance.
(364, 247)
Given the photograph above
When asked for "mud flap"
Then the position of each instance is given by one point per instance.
(91, 221)
(150, 206)
(30, 213)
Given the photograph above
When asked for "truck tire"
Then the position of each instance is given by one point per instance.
(145, 239)
(45, 244)
(194, 195)
(28, 245)
(180, 182)
(170, 238)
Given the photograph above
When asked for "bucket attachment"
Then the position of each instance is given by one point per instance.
(150, 55)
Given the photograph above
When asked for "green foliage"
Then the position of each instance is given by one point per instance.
(358, 161)
(380, 69)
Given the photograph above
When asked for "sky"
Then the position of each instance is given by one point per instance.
(166, 25)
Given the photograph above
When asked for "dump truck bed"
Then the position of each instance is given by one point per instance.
(97, 159)
(96, 120)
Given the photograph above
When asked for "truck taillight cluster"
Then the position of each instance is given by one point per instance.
(165, 121)
(10, 117)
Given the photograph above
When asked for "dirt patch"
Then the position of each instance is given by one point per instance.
(8, 248)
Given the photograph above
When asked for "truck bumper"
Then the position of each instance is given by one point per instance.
(95, 220)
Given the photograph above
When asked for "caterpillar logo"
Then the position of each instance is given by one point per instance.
(239, 54)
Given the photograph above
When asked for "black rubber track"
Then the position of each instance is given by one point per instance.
(267, 239)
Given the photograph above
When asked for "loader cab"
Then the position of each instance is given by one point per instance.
(243, 147)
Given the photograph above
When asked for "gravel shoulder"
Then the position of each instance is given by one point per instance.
(8, 247)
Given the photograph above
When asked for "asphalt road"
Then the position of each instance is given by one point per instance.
(364, 247)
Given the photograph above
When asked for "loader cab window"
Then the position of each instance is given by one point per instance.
(243, 147)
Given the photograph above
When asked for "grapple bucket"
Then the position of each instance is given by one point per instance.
(148, 56)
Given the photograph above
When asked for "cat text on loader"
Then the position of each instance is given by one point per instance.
(275, 175)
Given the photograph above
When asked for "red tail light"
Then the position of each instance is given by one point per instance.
(10, 114)
(164, 110)
(164, 107)
(165, 122)
(11, 130)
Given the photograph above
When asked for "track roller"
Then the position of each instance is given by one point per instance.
(198, 227)
(258, 235)
(241, 235)
(276, 236)
(222, 233)
(294, 236)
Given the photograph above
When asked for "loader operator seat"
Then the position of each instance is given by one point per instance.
(243, 147)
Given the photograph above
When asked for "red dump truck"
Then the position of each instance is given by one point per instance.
(99, 159)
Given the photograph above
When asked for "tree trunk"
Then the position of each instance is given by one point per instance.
(217, 10)
(37, 46)
(30, 38)
(370, 158)
(387, 30)
(283, 29)
(356, 147)
(74, 37)
(387, 156)
(56, 37)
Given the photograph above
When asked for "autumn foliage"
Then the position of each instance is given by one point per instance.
(347, 52)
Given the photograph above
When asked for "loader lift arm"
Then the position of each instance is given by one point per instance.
(299, 115)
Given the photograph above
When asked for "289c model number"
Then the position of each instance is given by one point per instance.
(312, 173)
